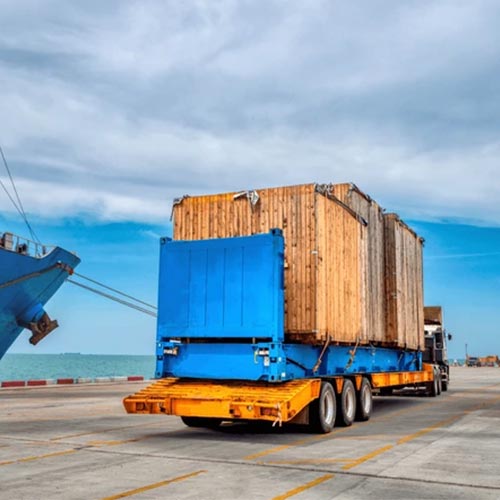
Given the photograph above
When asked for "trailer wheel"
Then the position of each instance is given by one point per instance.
(347, 404)
(322, 411)
(433, 387)
(364, 403)
(209, 423)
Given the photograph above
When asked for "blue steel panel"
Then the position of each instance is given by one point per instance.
(222, 288)
(276, 362)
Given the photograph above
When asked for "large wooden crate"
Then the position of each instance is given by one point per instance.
(433, 315)
(325, 253)
(404, 284)
(373, 256)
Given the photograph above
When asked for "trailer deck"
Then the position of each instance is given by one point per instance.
(230, 400)
(243, 400)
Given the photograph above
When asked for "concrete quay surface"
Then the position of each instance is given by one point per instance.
(77, 442)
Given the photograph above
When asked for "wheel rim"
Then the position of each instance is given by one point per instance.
(328, 407)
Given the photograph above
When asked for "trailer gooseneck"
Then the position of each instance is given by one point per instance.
(222, 353)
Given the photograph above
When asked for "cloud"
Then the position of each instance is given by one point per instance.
(114, 109)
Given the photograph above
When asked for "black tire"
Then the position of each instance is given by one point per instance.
(323, 411)
(440, 383)
(444, 385)
(346, 403)
(432, 391)
(210, 423)
(364, 401)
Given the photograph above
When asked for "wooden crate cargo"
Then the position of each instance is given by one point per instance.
(404, 284)
(433, 315)
(374, 251)
(325, 253)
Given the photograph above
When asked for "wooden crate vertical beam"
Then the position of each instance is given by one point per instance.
(323, 307)
(373, 257)
(404, 284)
(391, 281)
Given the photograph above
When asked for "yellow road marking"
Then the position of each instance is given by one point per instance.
(304, 487)
(115, 443)
(38, 457)
(334, 433)
(91, 444)
(330, 435)
(368, 456)
(299, 442)
(153, 486)
(420, 433)
(274, 450)
(306, 461)
(437, 425)
(67, 436)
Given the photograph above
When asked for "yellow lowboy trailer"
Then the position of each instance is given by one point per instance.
(207, 402)
(222, 352)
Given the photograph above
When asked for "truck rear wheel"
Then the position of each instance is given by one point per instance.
(322, 411)
(347, 404)
(364, 403)
(210, 423)
(444, 385)
(433, 388)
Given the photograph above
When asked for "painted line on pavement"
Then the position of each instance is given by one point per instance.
(293, 444)
(368, 456)
(307, 486)
(308, 461)
(332, 434)
(154, 486)
(67, 436)
(88, 446)
(38, 457)
(431, 428)
(336, 431)
(422, 432)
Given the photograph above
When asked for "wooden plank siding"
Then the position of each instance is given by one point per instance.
(433, 315)
(352, 274)
(372, 257)
(404, 285)
(324, 291)
(340, 287)
(290, 209)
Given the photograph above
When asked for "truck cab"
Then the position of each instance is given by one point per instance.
(436, 343)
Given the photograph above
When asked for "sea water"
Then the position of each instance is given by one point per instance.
(74, 365)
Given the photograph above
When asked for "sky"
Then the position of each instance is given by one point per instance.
(111, 109)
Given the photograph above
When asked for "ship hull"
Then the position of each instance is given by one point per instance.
(26, 284)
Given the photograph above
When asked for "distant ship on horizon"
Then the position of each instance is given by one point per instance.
(30, 274)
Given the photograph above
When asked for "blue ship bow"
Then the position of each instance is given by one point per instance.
(27, 281)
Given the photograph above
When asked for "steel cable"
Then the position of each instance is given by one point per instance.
(111, 297)
(20, 207)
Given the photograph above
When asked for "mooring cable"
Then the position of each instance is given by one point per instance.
(115, 299)
(20, 207)
(114, 290)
